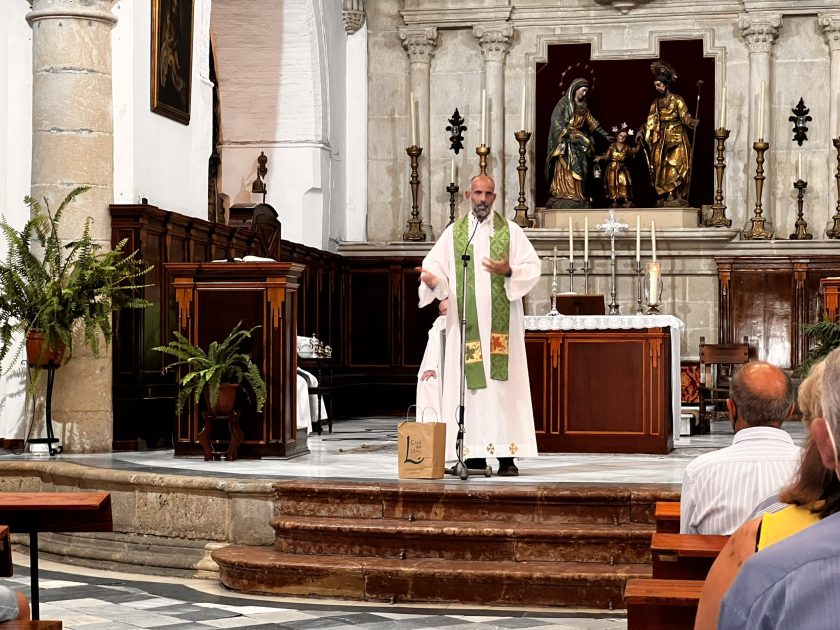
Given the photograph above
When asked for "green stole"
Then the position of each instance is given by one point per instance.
(500, 322)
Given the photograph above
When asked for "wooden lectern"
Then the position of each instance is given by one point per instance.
(212, 298)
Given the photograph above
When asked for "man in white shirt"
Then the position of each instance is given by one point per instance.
(720, 489)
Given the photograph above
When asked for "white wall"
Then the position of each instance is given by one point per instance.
(15, 171)
(155, 157)
(355, 154)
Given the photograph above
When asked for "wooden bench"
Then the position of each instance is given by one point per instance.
(43, 624)
(654, 604)
(667, 517)
(684, 556)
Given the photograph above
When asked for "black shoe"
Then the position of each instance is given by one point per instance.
(507, 468)
(476, 463)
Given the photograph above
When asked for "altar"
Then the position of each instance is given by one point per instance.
(605, 383)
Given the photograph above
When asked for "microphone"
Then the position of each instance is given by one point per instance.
(231, 251)
(464, 256)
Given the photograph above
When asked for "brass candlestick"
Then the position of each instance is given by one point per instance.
(452, 189)
(482, 151)
(571, 272)
(834, 230)
(758, 231)
(639, 286)
(521, 217)
(718, 218)
(414, 233)
(587, 269)
(801, 233)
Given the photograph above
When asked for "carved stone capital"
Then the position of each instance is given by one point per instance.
(419, 43)
(353, 12)
(830, 24)
(760, 31)
(494, 40)
(97, 10)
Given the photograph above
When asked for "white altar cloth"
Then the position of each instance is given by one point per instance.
(624, 322)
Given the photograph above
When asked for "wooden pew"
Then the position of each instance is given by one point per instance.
(44, 624)
(654, 604)
(684, 556)
(667, 517)
(6, 569)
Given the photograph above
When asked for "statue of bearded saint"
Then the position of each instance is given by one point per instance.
(665, 137)
(571, 147)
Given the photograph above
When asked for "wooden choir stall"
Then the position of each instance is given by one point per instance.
(212, 298)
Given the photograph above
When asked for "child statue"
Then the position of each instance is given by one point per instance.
(617, 178)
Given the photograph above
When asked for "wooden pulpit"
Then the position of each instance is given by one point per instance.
(212, 298)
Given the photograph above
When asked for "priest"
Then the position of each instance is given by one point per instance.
(503, 267)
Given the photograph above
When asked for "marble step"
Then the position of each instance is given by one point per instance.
(471, 501)
(533, 583)
(453, 540)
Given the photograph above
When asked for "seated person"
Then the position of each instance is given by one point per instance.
(800, 505)
(429, 384)
(13, 605)
(794, 583)
(721, 488)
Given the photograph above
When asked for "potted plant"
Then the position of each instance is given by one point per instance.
(216, 373)
(825, 337)
(47, 287)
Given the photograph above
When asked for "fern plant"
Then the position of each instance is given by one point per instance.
(825, 337)
(223, 362)
(48, 285)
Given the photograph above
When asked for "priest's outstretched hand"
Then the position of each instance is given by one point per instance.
(427, 277)
(497, 266)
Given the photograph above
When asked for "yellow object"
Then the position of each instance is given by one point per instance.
(779, 525)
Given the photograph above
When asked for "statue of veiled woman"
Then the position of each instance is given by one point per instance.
(571, 147)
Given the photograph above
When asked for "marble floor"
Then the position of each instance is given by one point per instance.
(363, 449)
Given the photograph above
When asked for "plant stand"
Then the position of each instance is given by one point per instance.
(208, 444)
(50, 439)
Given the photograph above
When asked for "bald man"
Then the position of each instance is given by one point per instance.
(720, 489)
(503, 267)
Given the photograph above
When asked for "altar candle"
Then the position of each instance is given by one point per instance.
(722, 124)
(761, 113)
(571, 243)
(653, 239)
(522, 120)
(638, 238)
(453, 172)
(586, 239)
(413, 121)
(654, 273)
(484, 117)
(799, 167)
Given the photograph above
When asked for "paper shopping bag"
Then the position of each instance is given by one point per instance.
(421, 448)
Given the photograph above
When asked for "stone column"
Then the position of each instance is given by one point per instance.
(494, 40)
(355, 125)
(419, 44)
(72, 145)
(831, 29)
(760, 33)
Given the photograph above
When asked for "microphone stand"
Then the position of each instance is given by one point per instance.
(460, 469)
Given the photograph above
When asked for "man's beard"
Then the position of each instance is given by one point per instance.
(481, 212)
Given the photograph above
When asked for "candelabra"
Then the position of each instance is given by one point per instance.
(414, 233)
(587, 269)
(482, 151)
(639, 283)
(801, 233)
(571, 273)
(452, 189)
(834, 230)
(758, 231)
(718, 218)
(612, 227)
(521, 217)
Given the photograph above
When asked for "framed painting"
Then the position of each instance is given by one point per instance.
(172, 26)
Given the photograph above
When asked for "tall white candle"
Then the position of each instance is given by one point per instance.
(585, 239)
(483, 117)
(413, 121)
(722, 124)
(799, 167)
(522, 120)
(653, 239)
(761, 113)
(453, 172)
(638, 238)
(571, 243)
